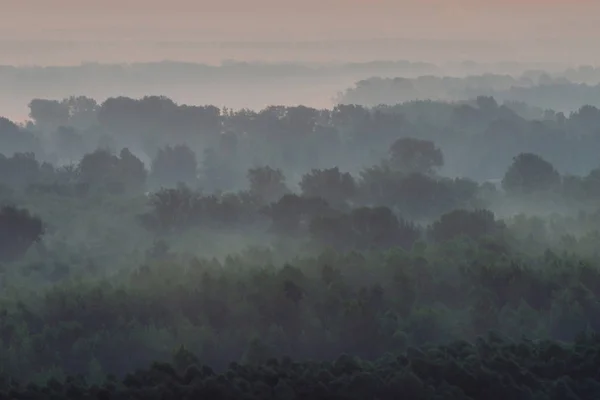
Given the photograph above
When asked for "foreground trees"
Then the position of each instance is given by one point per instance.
(448, 371)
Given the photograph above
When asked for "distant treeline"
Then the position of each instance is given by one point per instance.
(479, 138)
(535, 88)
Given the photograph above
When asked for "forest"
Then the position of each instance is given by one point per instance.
(430, 249)
(535, 88)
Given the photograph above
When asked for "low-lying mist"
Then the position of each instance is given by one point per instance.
(225, 239)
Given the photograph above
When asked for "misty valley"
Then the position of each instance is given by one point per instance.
(423, 238)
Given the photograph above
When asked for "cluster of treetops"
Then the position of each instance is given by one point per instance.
(415, 258)
(537, 89)
(390, 197)
(479, 138)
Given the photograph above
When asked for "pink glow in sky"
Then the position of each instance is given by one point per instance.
(571, 25)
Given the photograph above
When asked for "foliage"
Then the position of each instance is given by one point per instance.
(530, 173)
(388, 259)
(472, 224)
(267, 183)
(107, 171)
(492, 368)
(18, 231)
(364, 228)
(411, 155)
(335, 187)
(175, 164)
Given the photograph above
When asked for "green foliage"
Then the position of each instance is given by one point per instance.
(389, 267)
(314, 308)
(492, 368)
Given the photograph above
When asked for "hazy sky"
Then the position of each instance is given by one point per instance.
(549, 29)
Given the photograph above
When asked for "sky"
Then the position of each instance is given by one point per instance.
(62, 31)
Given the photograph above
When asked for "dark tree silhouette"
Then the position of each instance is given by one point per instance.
(18, 231)
(108, 171)
(364, 228)
(175, 165)
(412, 155)
(530, 173)
(335, 187)
(473, 224)
(267, 183)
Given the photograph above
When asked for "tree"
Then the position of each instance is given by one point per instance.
(487, 104)
(83, 112)
(99, 168)
(132, 169)
(70, 143)
(267, 183)
(48, 115)
(300, 120)
(217, 173)
(411, 155)
(473, 224)
(21, 169)
(364, 228)
(13, 139)
(18, 231)
(292, 212)
(377, 185)
(174, 165)
(335, 187)
(104, 169)
(172, 209)
(530, 173)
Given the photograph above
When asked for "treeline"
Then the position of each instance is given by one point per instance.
(406, 179)
(478, 138)
(493, 368)
(541, 91)
(170, 72)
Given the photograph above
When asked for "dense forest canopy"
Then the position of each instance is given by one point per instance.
(300, 200)
(478, 138)
(438, 249)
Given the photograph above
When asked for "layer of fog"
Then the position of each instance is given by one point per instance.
(238, 84)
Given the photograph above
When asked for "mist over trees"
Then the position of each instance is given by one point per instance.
(478, 138)
(538, 91)
(433, 249)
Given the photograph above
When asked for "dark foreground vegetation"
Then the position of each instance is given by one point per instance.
(490, 368)
(293, 278)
